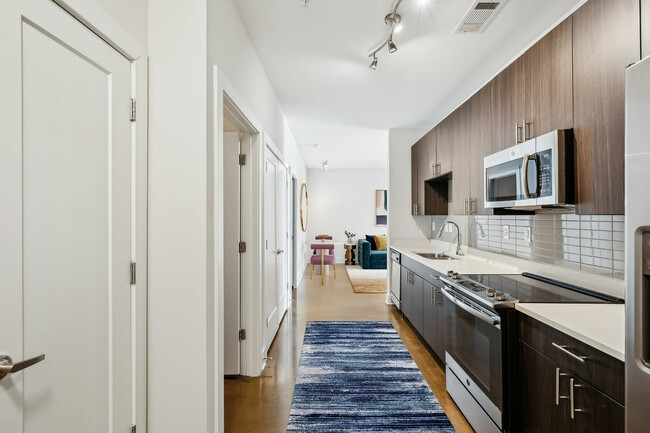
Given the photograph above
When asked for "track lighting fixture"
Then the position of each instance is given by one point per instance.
(391, 46)
(325, 167)
(304, 2)
(392, 20)
(373, 65)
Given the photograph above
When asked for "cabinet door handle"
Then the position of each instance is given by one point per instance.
(573, 355)
(465, 207)
(433, 296)
(527, 130)
(557, 386)
(573, 404)
(517, 129)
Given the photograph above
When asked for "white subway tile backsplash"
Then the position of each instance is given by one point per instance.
(591, 243)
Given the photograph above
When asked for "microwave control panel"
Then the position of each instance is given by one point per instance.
(545, 173)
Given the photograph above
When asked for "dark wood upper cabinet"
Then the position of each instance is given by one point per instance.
(605, 41)
(508, 90)
(425, 168)
(480, 144)
(415, 187)
(548, 82)
(460, 182)
(444, 145)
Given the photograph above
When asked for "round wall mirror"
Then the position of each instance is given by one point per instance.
(304, 207)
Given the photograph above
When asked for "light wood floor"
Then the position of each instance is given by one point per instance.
(262, 404)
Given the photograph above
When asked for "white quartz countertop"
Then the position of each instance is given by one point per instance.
(601, 326)
(462, 264)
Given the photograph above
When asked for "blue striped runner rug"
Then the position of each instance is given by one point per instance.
(359, 377)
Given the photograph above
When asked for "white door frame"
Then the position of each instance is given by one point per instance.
(224, 94)
(93, 17)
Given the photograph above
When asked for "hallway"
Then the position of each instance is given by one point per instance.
(262, 405)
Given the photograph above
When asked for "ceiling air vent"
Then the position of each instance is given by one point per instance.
(479, 16)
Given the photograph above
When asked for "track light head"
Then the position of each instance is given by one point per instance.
(391, 46)
(373, 65)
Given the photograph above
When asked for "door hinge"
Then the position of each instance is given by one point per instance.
(242, 247)
(242, 159)
(132, 272)
(133, 429)
(242, 334)
(132, 110)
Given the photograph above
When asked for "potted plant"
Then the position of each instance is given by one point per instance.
(350, 236)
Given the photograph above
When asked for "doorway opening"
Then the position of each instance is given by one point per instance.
(240, 139)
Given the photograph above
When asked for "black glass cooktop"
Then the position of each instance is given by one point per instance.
(535, 289)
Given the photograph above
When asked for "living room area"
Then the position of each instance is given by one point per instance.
(347, 217)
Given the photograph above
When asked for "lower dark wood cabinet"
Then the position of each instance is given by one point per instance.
(554, 394)
(424, 305)
(540, 409)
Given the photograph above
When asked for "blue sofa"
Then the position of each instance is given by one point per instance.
(371, 259)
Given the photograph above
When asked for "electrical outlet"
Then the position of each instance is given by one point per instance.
(448, 228)
(527, 237)
(506, 232)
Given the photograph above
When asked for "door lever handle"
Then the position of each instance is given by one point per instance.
(7, 364)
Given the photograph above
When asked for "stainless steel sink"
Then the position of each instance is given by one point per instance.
(436, 256)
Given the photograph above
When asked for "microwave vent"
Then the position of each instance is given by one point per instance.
(479, 16)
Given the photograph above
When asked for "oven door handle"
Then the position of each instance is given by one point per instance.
(482, 316)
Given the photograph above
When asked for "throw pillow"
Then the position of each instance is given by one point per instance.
(381, 242)
(371, 239)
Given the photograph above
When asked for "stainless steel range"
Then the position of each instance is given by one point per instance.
(480, 326)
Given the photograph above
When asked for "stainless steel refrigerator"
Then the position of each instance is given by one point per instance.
(637, 248)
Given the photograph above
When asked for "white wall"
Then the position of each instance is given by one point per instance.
(131, 15)
(342, 200)
(179, 373)
(401, 224)
(230, 48)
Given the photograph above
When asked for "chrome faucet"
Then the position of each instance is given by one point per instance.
(459, 249)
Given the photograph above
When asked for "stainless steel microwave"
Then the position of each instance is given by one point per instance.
(536, 174)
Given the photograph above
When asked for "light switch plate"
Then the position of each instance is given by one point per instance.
(506, 232)
(527, 234)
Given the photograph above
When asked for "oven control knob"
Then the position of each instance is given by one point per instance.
(500, 296)
(490, 293)
(450, 273)
(455, 276)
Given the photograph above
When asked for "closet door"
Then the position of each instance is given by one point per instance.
(66, 188)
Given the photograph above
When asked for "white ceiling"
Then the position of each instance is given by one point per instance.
(316, 59)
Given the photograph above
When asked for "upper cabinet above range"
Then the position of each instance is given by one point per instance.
(534, 94)
(549, 83)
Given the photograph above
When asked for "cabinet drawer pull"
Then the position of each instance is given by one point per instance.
(573, 355)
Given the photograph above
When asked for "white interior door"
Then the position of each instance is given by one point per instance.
(270, 296)
(282, 233)
(232, 236)
(73, 211)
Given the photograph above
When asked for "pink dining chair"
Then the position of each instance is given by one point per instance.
(324, 238)
(322, 259)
